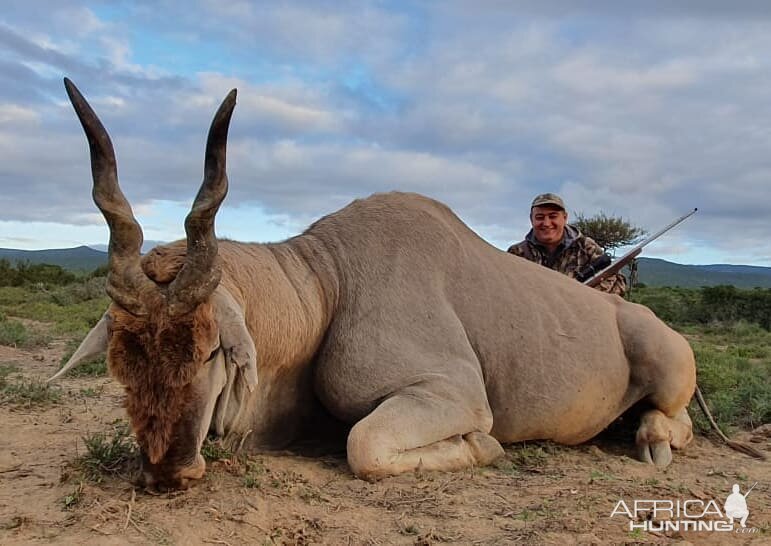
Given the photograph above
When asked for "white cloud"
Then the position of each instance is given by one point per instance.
(642, 112)
(289, 176)
(590, 75)
(13, 114)
(79, 20)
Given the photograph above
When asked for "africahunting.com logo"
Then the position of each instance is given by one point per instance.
(688, 515)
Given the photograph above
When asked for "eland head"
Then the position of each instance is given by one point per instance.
(163, 333)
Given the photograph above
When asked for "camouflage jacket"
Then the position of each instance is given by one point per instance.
(575, 251)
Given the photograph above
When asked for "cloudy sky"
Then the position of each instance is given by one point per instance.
(642, 112)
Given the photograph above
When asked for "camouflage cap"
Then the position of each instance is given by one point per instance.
(548, 199)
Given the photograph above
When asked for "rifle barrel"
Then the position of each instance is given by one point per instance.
(670, 226)
(750, 489)
(597, 277)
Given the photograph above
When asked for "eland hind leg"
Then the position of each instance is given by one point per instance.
(663, 372)
(428, 425)
(667, 425)
(658, 434)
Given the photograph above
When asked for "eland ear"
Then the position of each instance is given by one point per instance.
(237, 342)
(93, 345)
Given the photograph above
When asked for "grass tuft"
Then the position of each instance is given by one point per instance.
(5, 371)
(213, 450)
(255, 471)
(111, 454)
(28, 393)
(528, 456)
(71, 500)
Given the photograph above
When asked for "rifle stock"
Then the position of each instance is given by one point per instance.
(616, 266)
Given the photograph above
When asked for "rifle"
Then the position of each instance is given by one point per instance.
(750, 489)
(593, 268)
(593, 279)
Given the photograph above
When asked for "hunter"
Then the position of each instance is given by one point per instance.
(555, 244)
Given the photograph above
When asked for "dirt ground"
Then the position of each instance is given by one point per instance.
(540, 494)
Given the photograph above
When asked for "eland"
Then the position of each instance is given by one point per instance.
(390, 316)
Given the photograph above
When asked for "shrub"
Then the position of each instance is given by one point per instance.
(100, 271)
(709, 304)
(24, 273)
(726, 303)
(13, 295)
(13, 333)
(672, 305)
(89, 289)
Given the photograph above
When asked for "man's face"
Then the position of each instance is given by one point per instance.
(548, 224)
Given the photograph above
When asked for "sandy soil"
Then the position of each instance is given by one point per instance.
(540, 494)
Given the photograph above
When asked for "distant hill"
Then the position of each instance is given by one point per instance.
(652, 271)
(147, 246)
(656, 272)
(80, 258)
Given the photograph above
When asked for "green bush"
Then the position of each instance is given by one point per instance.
(672, 305)
(73, 307)
(13, 295)
(13, 333)
(726, 303)
(100, 271)
(722, 304)
(89, 289)
(24, 273)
